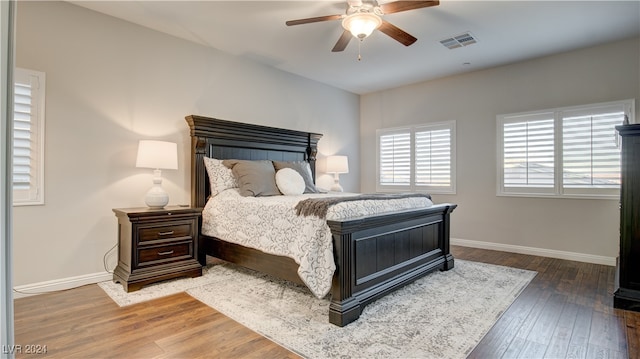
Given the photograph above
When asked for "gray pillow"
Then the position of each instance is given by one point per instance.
(255, 178)
(303, 168)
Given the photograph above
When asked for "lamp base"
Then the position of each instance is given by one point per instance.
(156, 197)
(336, 184)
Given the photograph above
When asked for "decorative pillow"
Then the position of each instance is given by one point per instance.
(255, 178)
(303, 168)
(220, 176)
(289, 182)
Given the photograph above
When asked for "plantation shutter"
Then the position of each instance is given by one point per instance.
(395, 158)
(590, 153)
(528, 152)
(22, 136)
(28, 127)
(568, 152)
(433, 158)
(418, 158)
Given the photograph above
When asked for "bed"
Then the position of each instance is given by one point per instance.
(373, 255)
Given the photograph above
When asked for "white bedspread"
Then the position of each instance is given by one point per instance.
(271, 225)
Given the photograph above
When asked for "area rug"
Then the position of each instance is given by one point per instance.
(442, 315)
(155, 290)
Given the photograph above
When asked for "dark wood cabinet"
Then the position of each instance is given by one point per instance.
(627, 294)
(155, 245)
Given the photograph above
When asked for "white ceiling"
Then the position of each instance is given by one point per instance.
(507, 31)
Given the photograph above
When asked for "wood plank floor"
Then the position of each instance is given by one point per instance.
(566, 312)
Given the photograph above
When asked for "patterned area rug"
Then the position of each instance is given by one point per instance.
(443, 315)
(156, 290)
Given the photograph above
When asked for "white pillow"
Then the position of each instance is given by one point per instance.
(289, 182)
(220, 177)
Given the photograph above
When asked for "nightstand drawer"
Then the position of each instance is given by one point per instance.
(165, 232)
(161, 254)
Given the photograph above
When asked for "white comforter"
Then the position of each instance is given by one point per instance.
(271, 225)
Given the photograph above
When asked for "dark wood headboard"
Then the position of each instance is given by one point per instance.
(222, 139)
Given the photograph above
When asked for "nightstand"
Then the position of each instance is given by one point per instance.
(156, 244)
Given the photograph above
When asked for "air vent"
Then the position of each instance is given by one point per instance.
(454, 42)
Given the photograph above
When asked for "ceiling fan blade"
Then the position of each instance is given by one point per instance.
(314, 19)
(396, 33)
(343, 41)
(397, 6)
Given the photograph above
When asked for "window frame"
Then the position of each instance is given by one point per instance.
(558, 190)
(412, 186)
(34, 195)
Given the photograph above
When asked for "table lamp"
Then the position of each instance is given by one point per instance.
(337, 165)
(157, 155)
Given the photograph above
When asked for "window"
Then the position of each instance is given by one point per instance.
(566, 152)
(418, 158)
(28, 137)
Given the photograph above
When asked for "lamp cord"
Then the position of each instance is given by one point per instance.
(104, 259)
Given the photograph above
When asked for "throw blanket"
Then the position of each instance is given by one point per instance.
(319, 206)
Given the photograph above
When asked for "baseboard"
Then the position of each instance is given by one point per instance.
(542, 252)
(72, 282)
(59, 284)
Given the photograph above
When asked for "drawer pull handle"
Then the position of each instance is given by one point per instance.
(165, 253)
(165, 233)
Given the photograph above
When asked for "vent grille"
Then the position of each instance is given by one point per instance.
(455, 42)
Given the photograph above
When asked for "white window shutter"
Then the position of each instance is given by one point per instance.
(591, 157)
(22, 136)
(417, 158)
(564, 152)
(433, 158)
(528, 153)
(395, 159)
(28, 137)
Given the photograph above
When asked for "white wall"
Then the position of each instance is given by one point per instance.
(604, 73)
(111, 83)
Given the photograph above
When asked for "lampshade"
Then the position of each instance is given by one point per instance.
(157, 154)
(361, 24)
(337, 164)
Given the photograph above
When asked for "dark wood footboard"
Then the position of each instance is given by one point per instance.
(377, 255)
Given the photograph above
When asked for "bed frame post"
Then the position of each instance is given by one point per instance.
(344, 307)
(446, 248)
(312, 151)
(198, 186)
(198, 175)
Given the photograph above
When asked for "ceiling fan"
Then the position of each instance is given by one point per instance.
(363, 17)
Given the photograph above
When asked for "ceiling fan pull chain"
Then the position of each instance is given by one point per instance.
(359, 57)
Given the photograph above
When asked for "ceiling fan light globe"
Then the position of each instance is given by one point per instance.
(361, 25)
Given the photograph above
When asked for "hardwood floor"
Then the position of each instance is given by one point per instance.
(565, 312)
(85, 323)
